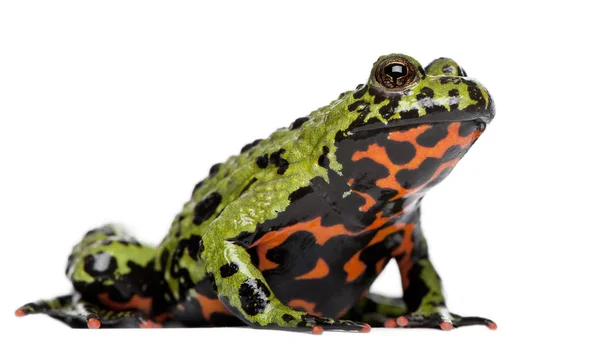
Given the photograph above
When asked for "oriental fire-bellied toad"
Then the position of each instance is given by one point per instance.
(292, 232)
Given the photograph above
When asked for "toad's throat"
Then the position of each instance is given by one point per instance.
(392, 170)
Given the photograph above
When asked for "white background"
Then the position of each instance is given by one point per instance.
(113, 110)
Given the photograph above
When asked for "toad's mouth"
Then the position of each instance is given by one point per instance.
(483, 115)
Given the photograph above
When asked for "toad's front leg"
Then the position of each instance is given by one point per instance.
(243, 289)
(423, 291)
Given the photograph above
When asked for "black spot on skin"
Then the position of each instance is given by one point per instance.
(453, 92)
(422, 71)
(248, 186)
(389, 109)
(323, 159)
(425, 92)
(198, 186)
(360, 91)
(262, 161)
(211, 279)
(412, 178)
(400, 152)
(378, 96)
(254, 296)
(206, 208)
(298, 122)
(104, 230)
(244, 239)
(355, 105)
(287, 318)
(408, 114)
(229, 269)
(128, 242)
(435, 108)
(164, 258)
(476, 95)
(281, 164)
(251, 145)
(195, 246)
(450, 79)
(214, 170)
(281, 170)
(299, 193)
(89, 266)
(432, 136)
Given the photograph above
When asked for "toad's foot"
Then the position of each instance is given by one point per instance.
(319, 324)
(80, 314)
(440, 318)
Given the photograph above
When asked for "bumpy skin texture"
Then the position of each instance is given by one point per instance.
(292, 232)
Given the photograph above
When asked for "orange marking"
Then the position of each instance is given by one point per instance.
(93, 323)
(321, 270)
(446, 326)
(149, 324)
(378, 154)
(210, 306)
(402, 321)
(136, 302)
(275, 238)
(264, 263)
(354, 267)
(390, 323)
(369, 201)
(493, 326)
(308, 307)
(317, 330)
(366, 329)
(20, 312)
(384, 233)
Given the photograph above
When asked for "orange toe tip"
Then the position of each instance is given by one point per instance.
(366, 329)
(317, 330)
(390, 323)
(93, 323)
(20, 312)
(446, 326)
(149, 324)
(402, 321)
(493, 326)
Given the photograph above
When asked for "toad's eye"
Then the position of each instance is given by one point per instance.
(395, 73)
(395, 70)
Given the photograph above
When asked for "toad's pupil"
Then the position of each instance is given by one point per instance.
(395, 70)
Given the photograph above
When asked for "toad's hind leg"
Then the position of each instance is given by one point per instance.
(77, 313)
(377, 310)
(114, 283)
